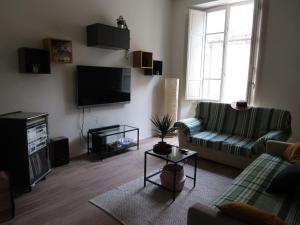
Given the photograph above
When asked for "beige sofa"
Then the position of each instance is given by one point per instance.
(286, 207)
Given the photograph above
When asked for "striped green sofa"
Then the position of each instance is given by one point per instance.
(249, 187)
(220, 133)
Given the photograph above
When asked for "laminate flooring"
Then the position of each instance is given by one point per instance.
(63, 197)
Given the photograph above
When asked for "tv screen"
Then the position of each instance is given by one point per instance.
(102, 85)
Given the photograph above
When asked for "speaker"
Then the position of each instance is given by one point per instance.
(59, 151)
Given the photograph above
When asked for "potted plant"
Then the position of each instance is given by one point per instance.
(121, 23)
(163, 127)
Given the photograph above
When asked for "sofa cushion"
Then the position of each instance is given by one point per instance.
(292, 153)
(203, 111)
(235, 145)
(209, 139)
(286, 181)
(216, 118)
(245, 123)
(212, 114)
(262, 123)
(271, 120)
(238, 145)
(250, 214)
(280, 120)
(190, 126)
(249, 187)
(230, 121)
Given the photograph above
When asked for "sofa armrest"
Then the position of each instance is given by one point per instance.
(278, 135)
(189, 126)
(200, 214)
(276, 148)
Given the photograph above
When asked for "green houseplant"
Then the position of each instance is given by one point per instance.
(163, 127)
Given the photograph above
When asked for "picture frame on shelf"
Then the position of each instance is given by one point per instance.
(60, 50)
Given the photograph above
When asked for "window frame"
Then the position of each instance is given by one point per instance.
(253, 50)
(215, 9)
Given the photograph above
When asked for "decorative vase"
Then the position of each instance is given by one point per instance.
(167, 177)
(162, 148)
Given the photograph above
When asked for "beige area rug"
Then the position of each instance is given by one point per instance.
(132, 204)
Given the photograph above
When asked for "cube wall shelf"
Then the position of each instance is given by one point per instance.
(60, 50)
(143, 60)
(32, 60)
(156, 70)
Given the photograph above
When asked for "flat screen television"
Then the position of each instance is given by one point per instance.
(102, 85)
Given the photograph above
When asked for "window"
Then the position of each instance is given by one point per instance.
(219, 53)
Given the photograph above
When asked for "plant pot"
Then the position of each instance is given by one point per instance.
(167, 177)
(162, 148)
(122, 26)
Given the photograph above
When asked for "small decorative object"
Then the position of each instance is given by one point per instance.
(167, 176)
(121, 23)
(163, 127)
(60, 50)
(125, 141)
(240, 105)
(35, 68)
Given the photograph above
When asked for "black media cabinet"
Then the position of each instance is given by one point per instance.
(112, 140)
(24, 148)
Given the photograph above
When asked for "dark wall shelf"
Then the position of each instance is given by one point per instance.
(104, 36)
(156, 70)
(32, 60)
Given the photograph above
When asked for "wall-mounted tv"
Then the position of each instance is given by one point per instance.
(102, 85)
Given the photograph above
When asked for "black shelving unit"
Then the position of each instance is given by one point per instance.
(24, 151)
(104, 36)
(34, 61)
(109, 141)
(156, 70)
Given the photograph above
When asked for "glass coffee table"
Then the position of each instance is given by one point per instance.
(175, 157)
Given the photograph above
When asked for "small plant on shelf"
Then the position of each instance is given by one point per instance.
(163, 127)
(121, 23)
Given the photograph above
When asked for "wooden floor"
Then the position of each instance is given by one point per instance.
(63, 197)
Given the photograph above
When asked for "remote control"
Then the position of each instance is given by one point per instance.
(184, 151)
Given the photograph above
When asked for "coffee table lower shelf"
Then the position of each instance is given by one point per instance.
(169, 160)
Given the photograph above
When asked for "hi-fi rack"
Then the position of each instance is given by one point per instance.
(24, 151)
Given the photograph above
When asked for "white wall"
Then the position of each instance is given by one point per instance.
(26, 23)
(278, 83)
(279, 80)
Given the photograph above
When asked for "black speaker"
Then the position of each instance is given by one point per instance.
(59, 151)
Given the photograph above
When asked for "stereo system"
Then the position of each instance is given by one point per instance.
(24, 137)
(37, 138)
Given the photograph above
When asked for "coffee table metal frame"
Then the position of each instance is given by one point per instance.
(174, 160)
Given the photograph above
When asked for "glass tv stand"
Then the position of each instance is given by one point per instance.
(112, 140)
